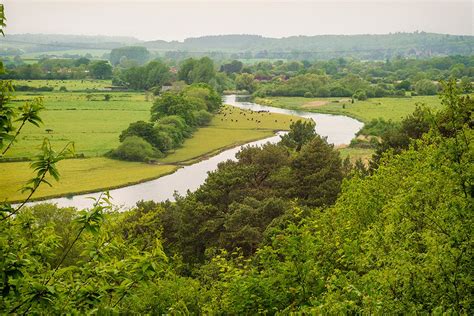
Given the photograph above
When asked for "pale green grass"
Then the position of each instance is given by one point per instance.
(356, 153)
(71, 85)
(82, 52)
(230, 128)
(387, 108)
(94, 126)
(78, 175)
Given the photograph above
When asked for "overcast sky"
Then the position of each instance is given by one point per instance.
(178, 19)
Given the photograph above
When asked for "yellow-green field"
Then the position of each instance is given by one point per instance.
(356, 153)
(93, 125)
(228, 129)
(71, 85)
(388, 108)
(78, 175)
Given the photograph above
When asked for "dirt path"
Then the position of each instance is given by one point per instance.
(314, 104)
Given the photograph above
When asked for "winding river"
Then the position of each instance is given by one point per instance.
(338, 130)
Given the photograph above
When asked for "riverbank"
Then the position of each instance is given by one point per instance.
(388, 108)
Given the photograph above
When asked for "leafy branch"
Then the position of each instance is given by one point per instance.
(29, 114)
(43, 164)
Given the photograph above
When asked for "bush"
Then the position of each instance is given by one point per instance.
(29, 88)
(308, 95)
(377, 127)
(135, 148)
(202, 117)
(360, 95)
(426, 87)
(338, 91)
(63, 89)
(323, 92)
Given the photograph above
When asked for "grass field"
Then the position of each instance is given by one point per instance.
(228, 129)
(71, 85)
(94, 52)
(356, 153)
(78, 175)
(388, 108)
(95, 125)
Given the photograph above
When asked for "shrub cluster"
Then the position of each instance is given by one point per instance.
(174, 117)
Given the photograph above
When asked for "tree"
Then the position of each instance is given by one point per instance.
(316, 173)
(245, 82)
(153, 75)
(301, 132)
(196, 71)
(185, 70)
(170, 103)
(466, 85)
(403, 85)
(134, 148)
(101, 69)
(136, 53)
(234, 66)
(426, 87)
(203, 71)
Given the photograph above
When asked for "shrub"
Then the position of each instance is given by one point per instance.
(63, 89)
(308, 95)
(134, 148)
(29, 88)
(202, 117)
(360, 95)
(426, 87)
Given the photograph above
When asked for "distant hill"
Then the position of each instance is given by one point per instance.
(418, 44)
(28, 43)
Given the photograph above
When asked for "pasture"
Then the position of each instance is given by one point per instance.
(387, 108)
(78, 175)
(230, 128)
(70, 85)
(86, 119)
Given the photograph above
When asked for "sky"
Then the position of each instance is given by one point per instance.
(180, 19)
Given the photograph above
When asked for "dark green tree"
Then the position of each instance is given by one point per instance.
(300, 133)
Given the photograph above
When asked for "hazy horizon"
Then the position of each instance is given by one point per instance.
(177, 20)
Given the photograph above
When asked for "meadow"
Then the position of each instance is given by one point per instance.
(228, 129)
(86, 119)
(78, 176)
(387, 108)
(70, 85)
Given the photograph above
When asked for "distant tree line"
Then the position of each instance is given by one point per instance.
(58, 69)
(333, 78)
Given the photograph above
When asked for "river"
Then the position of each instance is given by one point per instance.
(337, 128)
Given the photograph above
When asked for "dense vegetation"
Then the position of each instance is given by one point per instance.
(174, 116)
(255, 239)
(287, 228)
(398, 77)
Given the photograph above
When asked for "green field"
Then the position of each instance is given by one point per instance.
(94, 52)
(356, 153)
(228, 129)
(95, 125)
(388, 108)
(71, 85)
(79, 175)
